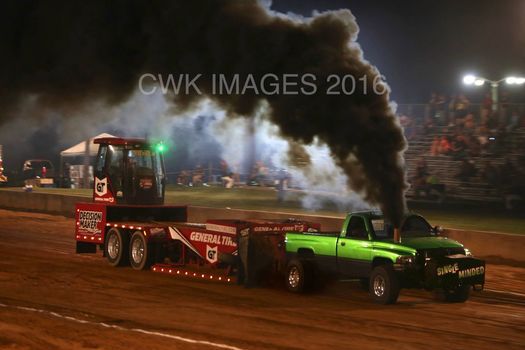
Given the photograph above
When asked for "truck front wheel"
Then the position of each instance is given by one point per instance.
(140, 255)
(297, 276)
(116, 247)
(384, 285)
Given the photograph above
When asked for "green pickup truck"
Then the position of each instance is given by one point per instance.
(366, 249)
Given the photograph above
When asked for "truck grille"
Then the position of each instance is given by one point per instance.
(440, 252)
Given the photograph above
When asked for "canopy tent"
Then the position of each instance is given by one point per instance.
(80, 148)
(79, 164)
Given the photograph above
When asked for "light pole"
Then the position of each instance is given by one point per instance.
(494, 84)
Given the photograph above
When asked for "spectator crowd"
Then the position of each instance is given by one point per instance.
(486, 142)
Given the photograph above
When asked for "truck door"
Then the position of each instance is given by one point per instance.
(354, 249)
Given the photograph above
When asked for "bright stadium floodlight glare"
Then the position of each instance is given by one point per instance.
(469, 79)
(479, 81)
(510, 80)
(515, 80)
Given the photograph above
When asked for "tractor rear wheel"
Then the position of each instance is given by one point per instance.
(116, 247)
(140, 252)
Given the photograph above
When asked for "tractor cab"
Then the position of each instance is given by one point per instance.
(128, 171)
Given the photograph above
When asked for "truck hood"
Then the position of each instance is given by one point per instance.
(429, 242)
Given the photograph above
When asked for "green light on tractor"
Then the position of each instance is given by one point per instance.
(160, 147)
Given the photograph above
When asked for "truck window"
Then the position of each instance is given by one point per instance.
(140, 158)
(116, 165)
(382, 229)
(356, 228)
(416, 226)
(101, 160)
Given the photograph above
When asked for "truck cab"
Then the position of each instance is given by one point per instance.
(128, 171)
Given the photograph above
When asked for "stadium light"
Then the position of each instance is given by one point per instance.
(471, 79)
(479, 82)
(515, 80)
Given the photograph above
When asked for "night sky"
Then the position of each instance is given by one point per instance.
(422, 46)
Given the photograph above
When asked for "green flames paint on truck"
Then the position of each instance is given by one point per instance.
(365, 249)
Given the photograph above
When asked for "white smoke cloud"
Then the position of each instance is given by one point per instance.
(153, 116)
(321, 182)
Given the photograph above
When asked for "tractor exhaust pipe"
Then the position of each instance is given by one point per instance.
(397, 235)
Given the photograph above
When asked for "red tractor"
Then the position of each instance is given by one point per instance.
(128, 171)
(129, 222)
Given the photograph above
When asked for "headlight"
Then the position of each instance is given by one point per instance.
(467, 252)
(406, 259)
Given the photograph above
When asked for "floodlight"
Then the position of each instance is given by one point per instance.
(479, 81)
(510, 80)
(469, 79)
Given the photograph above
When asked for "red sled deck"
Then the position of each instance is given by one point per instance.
(159, 237)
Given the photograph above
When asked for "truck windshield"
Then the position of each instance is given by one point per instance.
(413, 226)
(143, 159)
(140, 158)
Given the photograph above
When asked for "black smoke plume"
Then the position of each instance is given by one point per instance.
(67, 54)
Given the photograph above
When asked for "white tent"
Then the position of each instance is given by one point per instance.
(80, 174)
(80, 148)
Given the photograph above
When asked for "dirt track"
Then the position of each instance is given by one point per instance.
(51, 298)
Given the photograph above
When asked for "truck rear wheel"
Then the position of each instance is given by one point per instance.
(458, 295)
(384, 285)
(298, 275)
(116, 247)
(140, 255)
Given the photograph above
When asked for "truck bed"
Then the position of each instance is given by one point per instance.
(318, 243)
(326, 234)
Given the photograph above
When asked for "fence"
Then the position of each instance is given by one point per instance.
(422, 111)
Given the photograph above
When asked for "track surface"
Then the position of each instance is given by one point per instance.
(51, 298)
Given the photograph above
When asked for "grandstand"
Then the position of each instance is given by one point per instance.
(446, 168)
